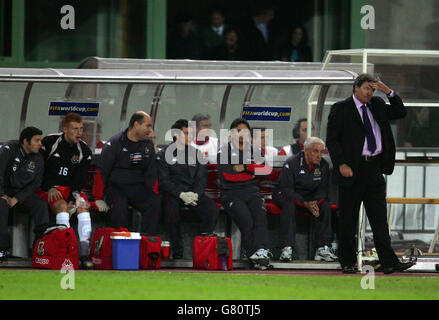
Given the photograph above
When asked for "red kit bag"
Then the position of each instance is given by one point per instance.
(101, 250)
(150, 252)
(212, 253)
(57, 249)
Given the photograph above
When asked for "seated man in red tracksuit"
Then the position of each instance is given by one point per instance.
(240, 194)
(183, 177)
(303, 183)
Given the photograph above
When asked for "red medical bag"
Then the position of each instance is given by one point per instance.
(212, 253)
(57, 249)
(101, 250)
(150, 252)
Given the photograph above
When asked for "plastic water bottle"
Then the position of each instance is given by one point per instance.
(334, 246)
(80, 201)
(223, 263)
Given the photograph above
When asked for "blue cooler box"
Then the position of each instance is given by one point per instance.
(126, 252)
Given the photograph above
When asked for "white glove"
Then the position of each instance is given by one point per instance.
(194, 198)
(189, 198)
(102, 206)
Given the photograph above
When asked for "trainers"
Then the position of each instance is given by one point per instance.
(261, 257)
(85, 263)
(326, 254)
(258, 266)
(3, 254)
(286, 254)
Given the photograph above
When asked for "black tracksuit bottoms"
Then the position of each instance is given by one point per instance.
(322, 230)
(207, 210)
(34, 205)
(119, 196)
(250, 215)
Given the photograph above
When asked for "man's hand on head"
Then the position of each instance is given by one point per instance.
(379, 85)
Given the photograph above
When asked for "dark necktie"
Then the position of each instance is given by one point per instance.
(371, 143)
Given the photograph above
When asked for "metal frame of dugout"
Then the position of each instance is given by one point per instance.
(277, 74)
(243, 70)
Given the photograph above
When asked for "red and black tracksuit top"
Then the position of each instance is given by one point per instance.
(299, 182)
(233, 183)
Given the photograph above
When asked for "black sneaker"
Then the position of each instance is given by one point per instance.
(348, 269)
(3, 255)
(85, 263)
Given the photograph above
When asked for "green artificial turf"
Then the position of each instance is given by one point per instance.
(33, 284)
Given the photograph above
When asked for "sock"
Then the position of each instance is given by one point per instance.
(63, 218)
(84, 232)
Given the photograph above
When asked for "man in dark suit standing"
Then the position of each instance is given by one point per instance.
(259, 40)
(362, 149)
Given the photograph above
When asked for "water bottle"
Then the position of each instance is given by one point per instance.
(80, 201)
(334, 246)
(223, 263)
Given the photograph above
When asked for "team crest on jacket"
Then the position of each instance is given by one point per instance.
(146, 150)
(31, 165)
(317, 173)
(75, 159)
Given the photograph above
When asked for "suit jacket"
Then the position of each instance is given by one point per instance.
(346, 134)
(254, 46)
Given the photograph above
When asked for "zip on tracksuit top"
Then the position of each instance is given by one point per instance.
(299, 182)
(245, 182)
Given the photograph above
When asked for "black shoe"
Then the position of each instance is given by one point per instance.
(3, 255)
(348, 269)
(399, 267)
(85, 263)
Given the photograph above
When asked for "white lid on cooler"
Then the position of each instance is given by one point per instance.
(125, 235)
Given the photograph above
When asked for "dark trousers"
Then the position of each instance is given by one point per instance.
(323, 227)
(250, 215)
(370, 188)
(33, 205)
(207, 210)
(140, 198)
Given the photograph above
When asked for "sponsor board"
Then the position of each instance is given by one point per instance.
(84, 109)
(267, 113)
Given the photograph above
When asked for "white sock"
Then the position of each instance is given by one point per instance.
(84, 232)
(84, 226)
(63, 218)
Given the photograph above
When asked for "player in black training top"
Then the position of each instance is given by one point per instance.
(67, 159)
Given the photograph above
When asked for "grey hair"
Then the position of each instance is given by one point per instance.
(200, 117)
(313, 140)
